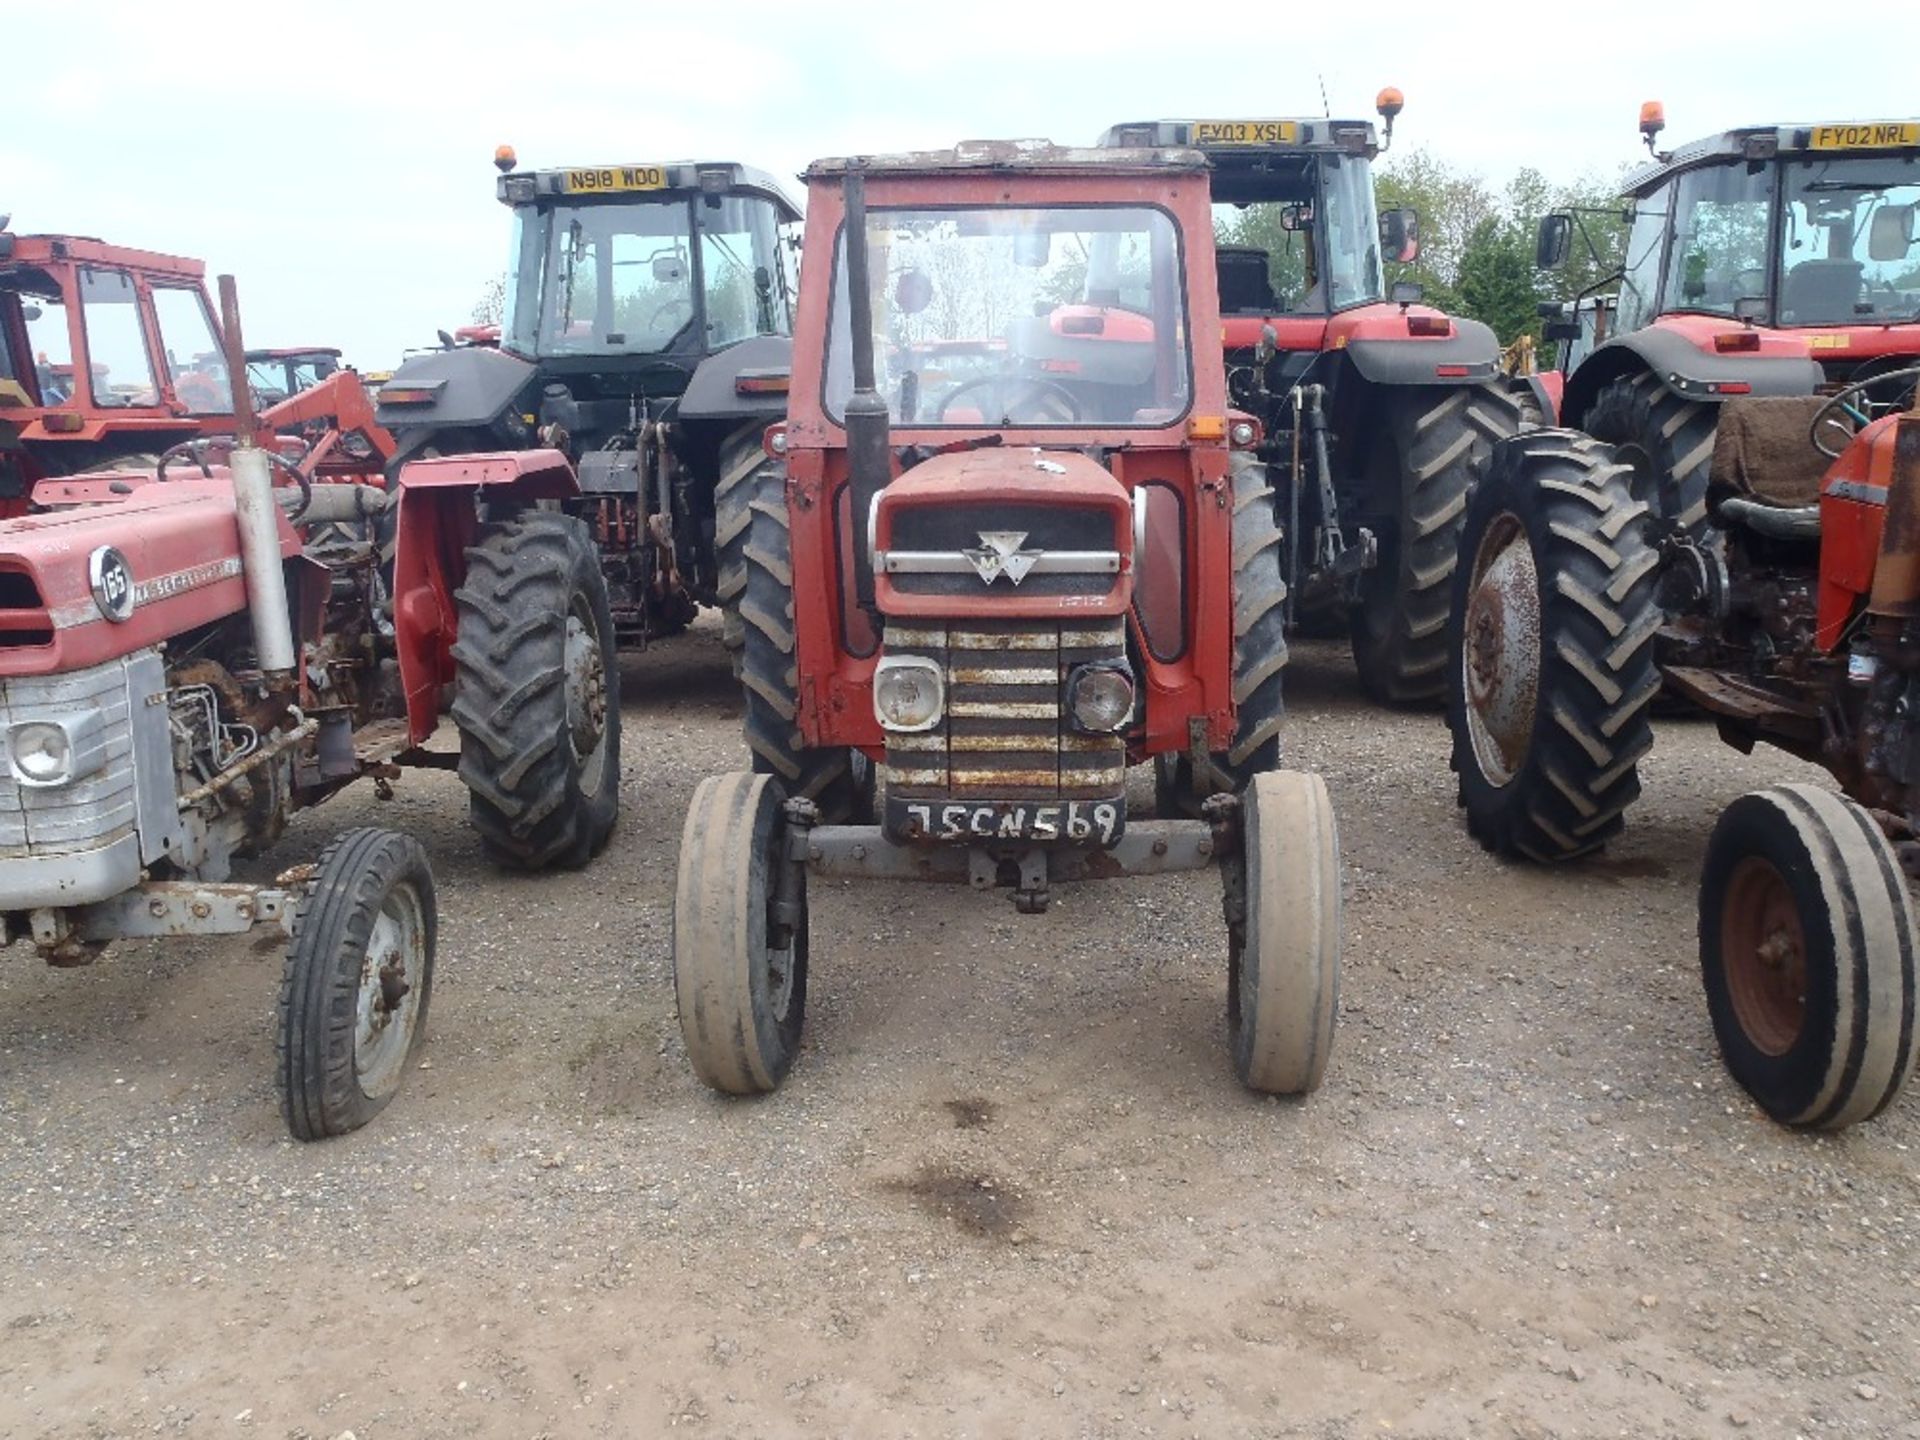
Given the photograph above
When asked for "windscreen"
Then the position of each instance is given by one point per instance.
(1847, 247)
(1021, 316)
(600, 279)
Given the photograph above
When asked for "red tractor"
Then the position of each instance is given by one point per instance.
(986, 594)
(192, 654)
(1370, 410)
(1772, 582)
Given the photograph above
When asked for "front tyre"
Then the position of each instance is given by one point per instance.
(1551, 667)
(739, 952)
(537, 693)
(1283, 956)
(1807, 954)
(357, 981)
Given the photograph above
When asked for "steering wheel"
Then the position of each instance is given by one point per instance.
(1824, 416)
(196, 451)
(1009, 391)
(679, 305)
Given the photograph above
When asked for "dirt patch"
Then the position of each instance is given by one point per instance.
(976, 1203)
(971, 1112)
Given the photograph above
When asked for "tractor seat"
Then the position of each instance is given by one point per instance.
(1245, 286)
(1821, 292)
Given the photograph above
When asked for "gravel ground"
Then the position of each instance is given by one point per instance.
(1011, 1188)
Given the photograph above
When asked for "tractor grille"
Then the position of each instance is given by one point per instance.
(86, 813)
(932, 544)
(1006, 735)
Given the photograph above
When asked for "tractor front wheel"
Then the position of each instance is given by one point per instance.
(739, 944)
(1438, 440)
(358, 976)
(1807, 953)
(1551, 669)
(537, 693)
(1283, 954)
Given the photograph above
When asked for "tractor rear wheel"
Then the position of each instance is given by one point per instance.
(1438, 440)
(1283, 958)
(1551, 667)
(742, 461)
(536, 693)
(1259, 655)
(1807, 954)
(357, 981)
(1666, 440)
(739, 963)
(769, 662)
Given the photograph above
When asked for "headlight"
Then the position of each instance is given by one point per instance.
(1100, 698)
(909, 693)
(40, 753)
(1241, 434)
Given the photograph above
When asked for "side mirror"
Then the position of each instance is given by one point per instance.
(31, 312)
(1555, 239)
(1400, 235)
(912, 292)
(1032, 249)
(1890, 235)
(667, 270)
(1294, 218)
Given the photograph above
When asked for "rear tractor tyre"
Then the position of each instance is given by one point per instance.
(742, 463)
(1667, 441)
(739, 964)
(1807, 954)
(537, 693)
(770, 665)
(1440, 439)
(357, 981)
(1551, 670)
(1259, 655)
(1283, 958)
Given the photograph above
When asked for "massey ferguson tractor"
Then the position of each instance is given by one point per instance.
(1762, 264)
(1370, 411)
(189, 655)
(992, 591)
(647, 336)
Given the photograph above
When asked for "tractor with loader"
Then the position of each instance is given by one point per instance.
(1369, 410)
(973, 599)
(1738, 526)
(191, 654)
(646, 335)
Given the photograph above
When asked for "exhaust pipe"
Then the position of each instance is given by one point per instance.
(869, 447)
(254, 511)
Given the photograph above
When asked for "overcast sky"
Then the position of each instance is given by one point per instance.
(337, 157)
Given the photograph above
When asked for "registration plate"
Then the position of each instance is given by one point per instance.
(606, 179)
(1876, 135)
(1081, 822)
(1245, 132)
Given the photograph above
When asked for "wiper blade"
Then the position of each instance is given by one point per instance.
(1854, 187)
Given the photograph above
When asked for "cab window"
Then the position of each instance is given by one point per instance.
(1719, 255)
(193, 356)
(1640, 270)
(122, 369)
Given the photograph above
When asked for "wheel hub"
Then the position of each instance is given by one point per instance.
(586, 678)
(1765, 953)
(387, 1007)
(1500, 659)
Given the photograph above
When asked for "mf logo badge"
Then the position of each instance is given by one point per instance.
(111, 581)
(999, 553)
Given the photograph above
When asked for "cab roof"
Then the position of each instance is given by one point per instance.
(1763, 142)
(1225, 140)
(669, 179)
(1013, 157)
(45, 249)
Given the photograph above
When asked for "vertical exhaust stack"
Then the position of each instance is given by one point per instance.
(253, 509)
(869, 447)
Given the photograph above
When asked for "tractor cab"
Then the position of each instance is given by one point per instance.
(276, 375)
(106, 353)
(1294, 205)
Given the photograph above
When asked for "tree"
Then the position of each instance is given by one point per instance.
(492, 304)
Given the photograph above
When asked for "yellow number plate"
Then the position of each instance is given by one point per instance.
(1245, 132)
(607, 178)
(1879, 135)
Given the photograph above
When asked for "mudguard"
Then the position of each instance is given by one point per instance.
(1469, 355)
(1686, 370)
(438, 516)
(468, 388)
(713, 393)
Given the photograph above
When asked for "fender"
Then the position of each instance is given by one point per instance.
(1385, 352)
(1548, 388)
(1686, 370)
(438, 516)
(713, 393)
(442, 389)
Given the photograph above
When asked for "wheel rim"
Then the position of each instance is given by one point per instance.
(392, 971)
(1500, 658)
(586, 685)
(1764, 949)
